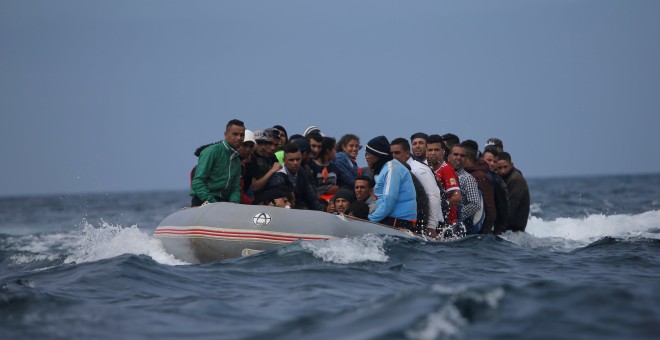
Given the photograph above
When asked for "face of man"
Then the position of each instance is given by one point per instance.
(292, 162)
(504, 167)
(341, 205)
(262, 148)
(435, 153)
(304, 157)
(457, 157)
(246, 150)
(273, 145)
(352, 148)
(398, 153)
(315, 146)
(491, 160)
(371, 159)
(419, 147)
(235, 136)
(362, 191)
(282, 139)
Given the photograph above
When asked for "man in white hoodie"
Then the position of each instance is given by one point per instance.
(400, 149)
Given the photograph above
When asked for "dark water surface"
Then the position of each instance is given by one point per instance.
(86, 266)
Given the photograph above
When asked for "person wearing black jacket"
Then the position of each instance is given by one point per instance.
(519, 199)
(289, 175)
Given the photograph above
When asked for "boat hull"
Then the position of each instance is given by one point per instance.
(220, 231)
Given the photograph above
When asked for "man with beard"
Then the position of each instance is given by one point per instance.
(519, 199)
(418, 146)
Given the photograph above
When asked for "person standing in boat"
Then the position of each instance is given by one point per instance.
(446, 176)
(325, 171)
(471, 209)
(518, 190)
(218, 173)
(397, 204)
(345, 159)
(291, 175)
(418, 145)
(264, 163)
(400, 149)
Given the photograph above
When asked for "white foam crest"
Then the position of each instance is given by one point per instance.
(109, 241)
(367, 247)
(448, 321)
(571, 233)
(36, 248)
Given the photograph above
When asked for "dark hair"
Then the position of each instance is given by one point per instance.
(315, 136)
(435, 138)
(295, 136)
(419, 135)
(401, 141)
(370, 180)
(504, 156)
(492, 150)
(451, 139)
(327, 144)
(290, 148)
(345, 139)
(359, 209)
(471, 149)
(234, 122)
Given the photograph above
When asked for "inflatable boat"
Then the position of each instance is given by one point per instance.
(220, 231)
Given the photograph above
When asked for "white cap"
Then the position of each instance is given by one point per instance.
(249, 136)
(312, 128)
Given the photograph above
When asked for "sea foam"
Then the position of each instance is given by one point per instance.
(368, 247)
(108, 240)
(571, 233)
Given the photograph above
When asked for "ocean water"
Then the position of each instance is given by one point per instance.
(87, 266)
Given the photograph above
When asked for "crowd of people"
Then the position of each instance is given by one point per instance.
(433, 184)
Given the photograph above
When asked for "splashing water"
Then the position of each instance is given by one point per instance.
(109, 241)
(368, 247)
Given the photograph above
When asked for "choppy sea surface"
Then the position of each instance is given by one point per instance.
(88, 266)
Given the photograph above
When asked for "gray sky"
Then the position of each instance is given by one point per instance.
(100, 96)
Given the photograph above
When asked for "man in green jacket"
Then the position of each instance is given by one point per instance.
(218, 174)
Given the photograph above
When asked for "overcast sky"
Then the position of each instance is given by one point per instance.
(104, 96)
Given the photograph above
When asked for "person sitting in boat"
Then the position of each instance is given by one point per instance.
(284, 138)
(345, 159)
(290, 175)
(325, 172)
(397, 204)
(245, 152)
(359, 209)
(263, 164)
(342, 201)
(281, 197)
(218, 174)
(364, 191)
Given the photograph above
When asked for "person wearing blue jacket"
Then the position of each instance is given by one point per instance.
(397, 204)
(347, 151)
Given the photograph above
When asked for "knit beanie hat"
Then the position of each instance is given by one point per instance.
(379, 147)
(346, 194)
